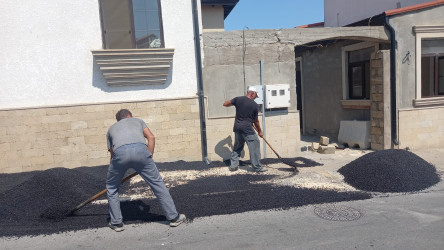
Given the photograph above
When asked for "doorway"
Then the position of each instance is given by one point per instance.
(299, 102)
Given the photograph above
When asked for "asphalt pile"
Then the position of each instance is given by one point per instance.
(50, 194)
(392, 170)
(38, 204)
(200, 165)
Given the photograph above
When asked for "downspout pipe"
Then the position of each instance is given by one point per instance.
(200, 93)
(393, 107)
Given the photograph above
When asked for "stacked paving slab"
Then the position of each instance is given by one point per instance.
(324, 146)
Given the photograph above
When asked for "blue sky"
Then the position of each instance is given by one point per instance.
(274, 14)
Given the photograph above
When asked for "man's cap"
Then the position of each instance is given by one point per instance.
(251, 88)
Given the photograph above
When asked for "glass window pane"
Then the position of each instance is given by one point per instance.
(116, 24)
(152, 20)
(140, 34)
(142, 39)
(140, 20)
(427, 76)
(147, 23)
(356, 81)
(151, 5)
(138, 4)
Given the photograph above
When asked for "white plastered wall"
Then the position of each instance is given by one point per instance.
(47, 61)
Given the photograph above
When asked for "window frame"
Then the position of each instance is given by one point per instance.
(364, 85)
(346, 90)
(132, 26)
(435, 58)
(425, 32)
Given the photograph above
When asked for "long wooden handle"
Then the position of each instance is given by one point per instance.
(254, 126)
(100, 193)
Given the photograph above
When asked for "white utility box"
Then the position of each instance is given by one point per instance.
(277, 96)
(260, 94)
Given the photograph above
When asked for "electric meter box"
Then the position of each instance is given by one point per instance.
(260, 94)
(277, 96)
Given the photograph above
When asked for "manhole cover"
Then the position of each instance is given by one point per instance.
(337, 213)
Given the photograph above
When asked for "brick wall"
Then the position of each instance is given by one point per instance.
(43, 138)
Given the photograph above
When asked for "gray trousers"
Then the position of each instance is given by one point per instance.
(253, 144)
(137, 157)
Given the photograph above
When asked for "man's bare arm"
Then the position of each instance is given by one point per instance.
(112, 154)
(228, 103)
(151, 139)
(258, 128)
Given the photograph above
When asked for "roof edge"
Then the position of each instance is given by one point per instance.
(413, 7)
(312, 25)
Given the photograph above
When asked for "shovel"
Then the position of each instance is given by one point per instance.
(289, 163)
(98, 195)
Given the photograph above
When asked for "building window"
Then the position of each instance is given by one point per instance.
(356, 70)
(432, 67)
(359, 73)
(429, 65)
(129, 24)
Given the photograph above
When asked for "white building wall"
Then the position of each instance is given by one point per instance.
(46, 57)
(339, 13)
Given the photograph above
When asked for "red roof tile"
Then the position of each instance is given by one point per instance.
(313, 25)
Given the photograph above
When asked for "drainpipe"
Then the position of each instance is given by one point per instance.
(392, 81)
(203, 127)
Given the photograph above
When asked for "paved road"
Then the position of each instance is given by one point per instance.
(388, 221)
(411, 221)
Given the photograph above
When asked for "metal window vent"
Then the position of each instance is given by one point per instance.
(123, 67)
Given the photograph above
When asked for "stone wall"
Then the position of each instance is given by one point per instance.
(421, 128)
(74, 136)
(380, 132)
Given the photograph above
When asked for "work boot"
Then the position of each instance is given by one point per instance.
(178, 220)
(117, 227)
(261, 170)
(233, 169)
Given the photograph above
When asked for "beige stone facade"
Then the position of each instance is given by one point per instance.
(74, 136)
(421, 128)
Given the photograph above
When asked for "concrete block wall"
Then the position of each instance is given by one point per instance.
(282, 132)
(421, 128)
(74, 136)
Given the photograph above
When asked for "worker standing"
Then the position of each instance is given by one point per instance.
(246, 115)
(127, 144)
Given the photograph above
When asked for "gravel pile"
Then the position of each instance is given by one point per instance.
(390, 170)
(38, 205)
